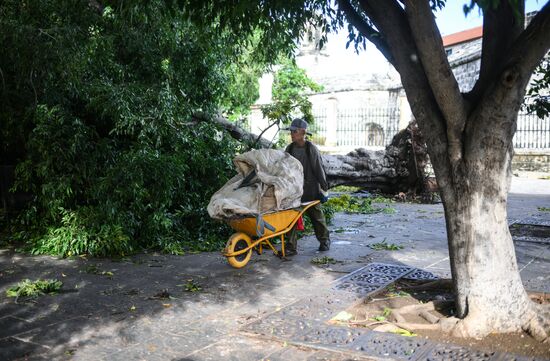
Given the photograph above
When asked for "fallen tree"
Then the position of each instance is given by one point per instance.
(400, 168)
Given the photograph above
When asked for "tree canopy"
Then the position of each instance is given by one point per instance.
(96, 110)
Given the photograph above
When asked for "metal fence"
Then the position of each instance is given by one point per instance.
(532, 132)
(376, 126)
(358, 127)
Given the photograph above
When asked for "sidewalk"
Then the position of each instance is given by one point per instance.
(269, 310)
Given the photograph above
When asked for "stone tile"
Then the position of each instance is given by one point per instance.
(290, 353)
(444, 352)
(236, 348)
(379, 344)
(11, 349)
(10, 326)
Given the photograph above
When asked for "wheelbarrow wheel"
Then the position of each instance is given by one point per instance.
(238, 242)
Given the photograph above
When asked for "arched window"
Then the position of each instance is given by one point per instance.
(375, 135)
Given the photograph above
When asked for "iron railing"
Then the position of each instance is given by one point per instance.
(532, 132)
(358, 127)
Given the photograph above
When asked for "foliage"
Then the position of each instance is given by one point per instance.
(33, 289)
(347, 203)
(544, 209)
(345, 189)
(94, 269)
(290, 87)
(537, 99)
(192, 286)
(96, 112)
(384, 246)
(323, 260)
(394, 292)
(403, 332)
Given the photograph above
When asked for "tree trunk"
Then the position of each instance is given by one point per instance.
(489, 291)
(490, 296)
(401, 167)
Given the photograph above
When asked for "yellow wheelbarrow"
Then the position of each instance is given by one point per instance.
(256, 232)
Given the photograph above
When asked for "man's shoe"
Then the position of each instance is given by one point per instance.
(325, 246)
(290, 252)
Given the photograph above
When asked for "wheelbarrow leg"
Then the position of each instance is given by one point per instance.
(259, 248)
(283, 244)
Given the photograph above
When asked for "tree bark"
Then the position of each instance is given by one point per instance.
(238, 133)
(400, 168)
(489, 292)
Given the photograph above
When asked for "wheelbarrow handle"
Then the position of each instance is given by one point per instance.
(261, 224)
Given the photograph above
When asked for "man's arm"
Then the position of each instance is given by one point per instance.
(318, 169)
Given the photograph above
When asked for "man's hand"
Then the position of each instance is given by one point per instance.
(323, 196)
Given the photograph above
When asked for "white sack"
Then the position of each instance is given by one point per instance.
(278, 186)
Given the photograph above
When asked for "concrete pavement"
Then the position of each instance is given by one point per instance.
(269, 310)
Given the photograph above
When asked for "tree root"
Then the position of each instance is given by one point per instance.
(442, 284)
(538, 325)
(476, 325)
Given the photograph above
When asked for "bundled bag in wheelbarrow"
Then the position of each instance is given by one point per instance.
(268, 180)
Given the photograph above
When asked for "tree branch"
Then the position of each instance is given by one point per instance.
(501, 27)
(389, 18)
(367, 31)
(234, 130)
(531, 45)
(506, 90)
(436, 66)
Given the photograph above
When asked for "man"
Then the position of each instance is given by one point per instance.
(315, 185)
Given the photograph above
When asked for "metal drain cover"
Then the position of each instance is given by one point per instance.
(371, 278)
(420, 274)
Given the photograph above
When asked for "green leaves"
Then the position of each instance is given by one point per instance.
(349, 204)
(384, 246)
(290, 88)
(97, 109)
(33, 289)
(537, 99)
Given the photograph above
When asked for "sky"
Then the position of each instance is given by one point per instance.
(450, 20)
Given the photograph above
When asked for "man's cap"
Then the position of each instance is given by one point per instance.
(297, 123)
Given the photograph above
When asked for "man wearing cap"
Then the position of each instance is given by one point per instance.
(315, 184)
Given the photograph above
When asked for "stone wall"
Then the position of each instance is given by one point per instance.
(465, 61)
(533, 161)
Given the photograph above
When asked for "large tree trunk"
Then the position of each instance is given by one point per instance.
(400, 168)
(489, 292)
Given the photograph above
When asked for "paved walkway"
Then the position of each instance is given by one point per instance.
(270, 310)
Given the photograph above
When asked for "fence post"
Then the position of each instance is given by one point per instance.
(331, 123)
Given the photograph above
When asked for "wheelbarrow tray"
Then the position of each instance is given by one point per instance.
(280, 220)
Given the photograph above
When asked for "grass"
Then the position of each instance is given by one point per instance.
(33, 289)
(384, 246)
(544, 209)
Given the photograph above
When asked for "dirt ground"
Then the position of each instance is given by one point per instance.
(374, 313)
